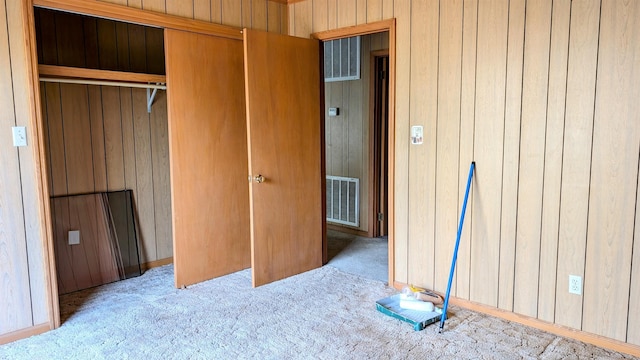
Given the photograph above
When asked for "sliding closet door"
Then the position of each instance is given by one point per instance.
(285, 132)
(208, 156)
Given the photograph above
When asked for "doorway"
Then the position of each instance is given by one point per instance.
(357, 143)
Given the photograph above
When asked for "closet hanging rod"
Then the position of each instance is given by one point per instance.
(158, 86)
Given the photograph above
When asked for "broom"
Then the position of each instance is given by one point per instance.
(455, 251)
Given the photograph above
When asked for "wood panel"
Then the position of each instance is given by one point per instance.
(231, 11)
(161, 182)
(374, 10)
(282, 243)
(81, 73)
(633, 327)
(467, 124)
(576, 167)
(558, 57)
(210, 197)
(616, 144)
(320, 15)
(180, 8)
(448, 139)
(402, 11)
(259, 14)
(20, 22)
(202, 10)
(14, 269)
(423, 112)
(535, 85)
(488, 148)
(92, 262)
(346, 13)
(511, 157)
(77, 138)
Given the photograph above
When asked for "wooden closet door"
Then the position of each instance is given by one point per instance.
(285, 132)
(208, 156)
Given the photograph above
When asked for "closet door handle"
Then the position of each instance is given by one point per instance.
(259, 179)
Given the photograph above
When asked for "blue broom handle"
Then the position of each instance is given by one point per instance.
(455, 251)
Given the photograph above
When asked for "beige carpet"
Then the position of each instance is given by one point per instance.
(322, 314)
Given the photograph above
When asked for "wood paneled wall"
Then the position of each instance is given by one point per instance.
(24, 300)
(543, 95)
(101, 138)
(347, 135)
(253, 14)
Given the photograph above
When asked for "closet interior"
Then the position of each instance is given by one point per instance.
(105, 123)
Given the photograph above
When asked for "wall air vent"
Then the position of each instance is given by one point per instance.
(342, 59)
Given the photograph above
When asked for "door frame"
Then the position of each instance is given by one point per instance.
(366, 29)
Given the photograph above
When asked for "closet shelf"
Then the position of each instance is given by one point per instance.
(73, 75)
(66, 72)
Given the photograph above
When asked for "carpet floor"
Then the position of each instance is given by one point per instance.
(321, 314)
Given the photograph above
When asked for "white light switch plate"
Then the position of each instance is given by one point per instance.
(19, 136)
(74, 237)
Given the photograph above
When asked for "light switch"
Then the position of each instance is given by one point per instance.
(334, 111)
(74, 237)
(19, 136)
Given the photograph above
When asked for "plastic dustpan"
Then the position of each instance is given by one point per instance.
(419, 319)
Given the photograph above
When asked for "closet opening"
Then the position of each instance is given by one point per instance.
(102, 137)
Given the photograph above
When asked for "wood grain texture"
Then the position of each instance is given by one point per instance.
(320, 15)
(535, 86)
(202, 10)
(231, 11)
(448, 140)
(179, 8)
(558, 57)
(467, 121)
(422, 158)
(511, 157)
(209, 198)
(259, 14)
(114, 150)
(94, 74)
(374, 10)
(576, 167)
(161, 182)
(304, 18)
(283, 243)
(633, 327)
(402, 11)
(488, 149)
(275, 16)
(616, 141)
(23, 57)
(15, 299)
(346, 13)
(144, 196)
(77, 138)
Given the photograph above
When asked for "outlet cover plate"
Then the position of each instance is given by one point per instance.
(575, 284)
(19, 136)
(74, 237)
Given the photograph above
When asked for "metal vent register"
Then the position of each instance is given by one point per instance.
(342, 200)
(342, 59)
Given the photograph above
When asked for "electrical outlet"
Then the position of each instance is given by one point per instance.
(575, 284)
(74, 237)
